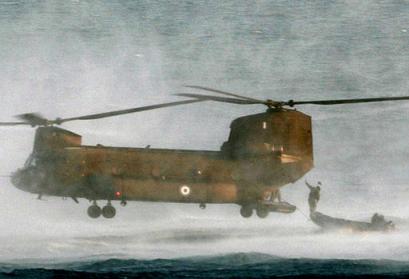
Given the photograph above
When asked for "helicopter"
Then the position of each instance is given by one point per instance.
(264, 152)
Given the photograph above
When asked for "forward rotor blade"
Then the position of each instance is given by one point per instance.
(13, 123)
(224, 93)
(125, 111)
(219, 99)
(345, 101)
(33, 119)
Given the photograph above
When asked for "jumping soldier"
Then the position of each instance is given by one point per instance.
(314, 195)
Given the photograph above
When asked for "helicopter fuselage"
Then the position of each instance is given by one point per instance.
(263, 153)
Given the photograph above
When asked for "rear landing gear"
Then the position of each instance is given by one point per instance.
(246, 211)
(263, 208)
(262, 211)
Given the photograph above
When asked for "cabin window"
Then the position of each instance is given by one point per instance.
(277, 147)
(264, 125)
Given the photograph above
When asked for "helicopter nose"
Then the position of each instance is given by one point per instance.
(25, 180)
(16, 179)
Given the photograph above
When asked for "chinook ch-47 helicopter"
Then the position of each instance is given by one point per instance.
(264, 152)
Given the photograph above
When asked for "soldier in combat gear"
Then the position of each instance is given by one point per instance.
(314, 195)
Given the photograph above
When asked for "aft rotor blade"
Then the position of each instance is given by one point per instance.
(126, 111)
(346, 101)
(224, 93)
(219, 99)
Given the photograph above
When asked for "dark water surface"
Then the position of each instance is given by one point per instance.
(240, 265)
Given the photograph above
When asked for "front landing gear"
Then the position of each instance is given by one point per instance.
(108, 211)
(94, 211)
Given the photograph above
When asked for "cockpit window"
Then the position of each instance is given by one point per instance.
(31, 161)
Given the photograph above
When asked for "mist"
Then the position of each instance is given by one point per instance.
(70, 58)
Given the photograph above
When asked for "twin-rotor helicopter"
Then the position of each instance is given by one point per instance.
(264, 152)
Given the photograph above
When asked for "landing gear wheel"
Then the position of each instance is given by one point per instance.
(108, 211)
(262, 211)
(246, 211)
(94, 211)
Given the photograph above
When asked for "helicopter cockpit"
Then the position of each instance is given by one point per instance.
(31, 161)
(30, 177)
(48, 143)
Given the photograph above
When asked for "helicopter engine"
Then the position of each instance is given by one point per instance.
(272, 148)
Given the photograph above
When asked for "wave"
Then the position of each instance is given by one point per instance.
(244, 265)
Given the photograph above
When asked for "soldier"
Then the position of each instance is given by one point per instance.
(376, 218)
(379, 223)
(314, 195)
